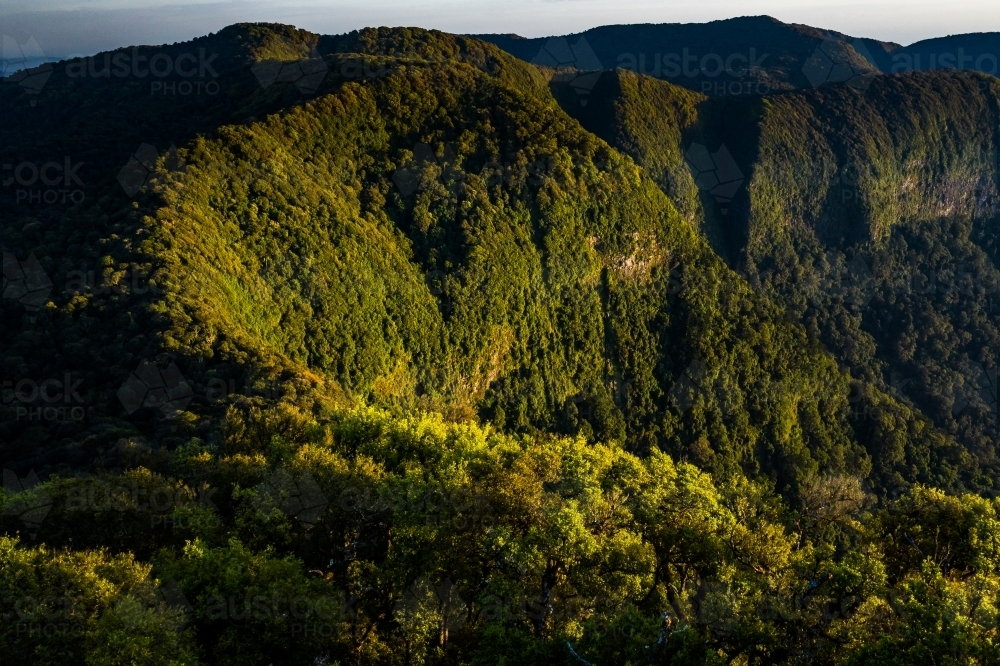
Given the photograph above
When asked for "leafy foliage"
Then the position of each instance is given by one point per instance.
(363, 537)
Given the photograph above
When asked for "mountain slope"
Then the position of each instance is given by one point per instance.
(438, 233)
(901, 185)
(869, 213)
(647, 119)
(551, 302)
(107, 124)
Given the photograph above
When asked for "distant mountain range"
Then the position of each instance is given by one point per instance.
(749, 55)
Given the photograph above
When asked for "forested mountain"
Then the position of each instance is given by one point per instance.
(750, 55)
(869, 214)
(393, 325)
(740, 56)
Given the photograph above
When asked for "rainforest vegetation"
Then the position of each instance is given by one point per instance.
(391, 351)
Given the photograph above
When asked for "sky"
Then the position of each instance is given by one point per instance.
(64, 28)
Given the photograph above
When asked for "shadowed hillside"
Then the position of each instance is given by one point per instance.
(869, 213)
(751, 55)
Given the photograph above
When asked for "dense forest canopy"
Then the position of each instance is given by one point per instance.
(384, 348)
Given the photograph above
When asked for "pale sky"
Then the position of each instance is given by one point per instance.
(81, 27)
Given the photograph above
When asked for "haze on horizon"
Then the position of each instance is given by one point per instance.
(64, 28)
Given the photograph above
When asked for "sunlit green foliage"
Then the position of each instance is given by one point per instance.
(365, 538)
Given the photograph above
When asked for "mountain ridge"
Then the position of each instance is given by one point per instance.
(798, 56)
